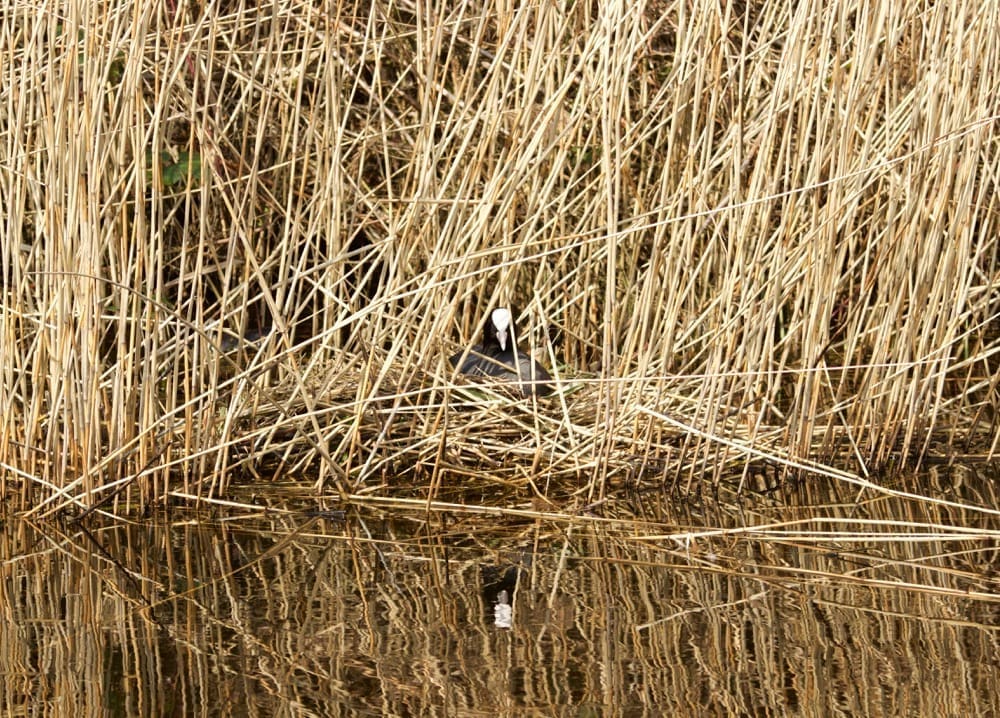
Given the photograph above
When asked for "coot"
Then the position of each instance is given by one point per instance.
(497, 358)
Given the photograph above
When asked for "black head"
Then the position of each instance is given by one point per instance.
(498, 329)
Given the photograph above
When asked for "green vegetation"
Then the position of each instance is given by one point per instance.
(764, 235)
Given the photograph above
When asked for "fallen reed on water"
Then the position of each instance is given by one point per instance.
(246, 239)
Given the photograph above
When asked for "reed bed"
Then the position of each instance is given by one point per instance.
(243, 241)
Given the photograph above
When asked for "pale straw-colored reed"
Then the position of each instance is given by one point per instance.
(763, 231)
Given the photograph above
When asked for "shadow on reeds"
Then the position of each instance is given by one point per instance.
(785, 604)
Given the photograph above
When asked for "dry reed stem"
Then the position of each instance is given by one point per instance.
(777, 226)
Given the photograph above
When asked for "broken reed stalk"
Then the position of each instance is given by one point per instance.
(779, 229)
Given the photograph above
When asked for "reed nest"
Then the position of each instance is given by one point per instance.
(242, 241)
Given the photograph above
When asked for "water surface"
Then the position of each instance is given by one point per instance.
(808, 600)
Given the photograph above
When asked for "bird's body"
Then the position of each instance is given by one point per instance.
(496, 357)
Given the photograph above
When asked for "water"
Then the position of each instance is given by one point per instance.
(701, 609)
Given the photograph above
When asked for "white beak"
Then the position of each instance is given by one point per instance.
(502, 338)
(501, 320)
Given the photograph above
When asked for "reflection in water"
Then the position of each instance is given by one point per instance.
(770, 605)
(498, 588)
(503, 614)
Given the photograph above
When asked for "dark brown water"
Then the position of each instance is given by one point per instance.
(790, 604)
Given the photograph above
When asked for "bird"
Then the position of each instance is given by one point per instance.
(496, 357)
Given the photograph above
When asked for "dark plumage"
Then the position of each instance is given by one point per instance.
(497, 358)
